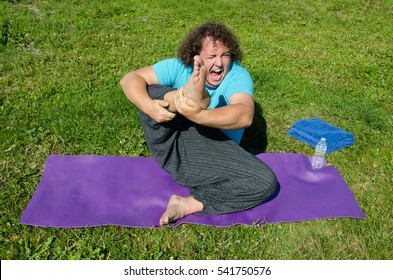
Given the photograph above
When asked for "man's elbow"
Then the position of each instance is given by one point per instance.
(247, 122)
(124, 80)
(244, 105)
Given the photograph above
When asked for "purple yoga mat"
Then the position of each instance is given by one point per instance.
(92, 190)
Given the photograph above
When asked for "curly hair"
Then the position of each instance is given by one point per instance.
(192, 43)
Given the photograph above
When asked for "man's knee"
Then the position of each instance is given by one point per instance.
(272, 184)
(158, 91)
(268, 183)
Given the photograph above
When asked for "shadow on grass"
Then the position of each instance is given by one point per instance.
(255, 137)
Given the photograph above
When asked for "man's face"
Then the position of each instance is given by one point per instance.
(217, 59)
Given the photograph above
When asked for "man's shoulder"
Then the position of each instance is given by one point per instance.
(238, 68)
(238, 73)
(238, 80)
(171, 62)
(173, 65)
(172, 72)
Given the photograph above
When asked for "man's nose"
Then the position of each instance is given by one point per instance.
(218, 61)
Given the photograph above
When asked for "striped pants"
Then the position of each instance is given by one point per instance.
(217, 171)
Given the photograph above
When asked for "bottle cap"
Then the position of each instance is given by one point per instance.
(323, 139)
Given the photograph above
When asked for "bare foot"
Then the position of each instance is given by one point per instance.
(195, 87)
(179, 207)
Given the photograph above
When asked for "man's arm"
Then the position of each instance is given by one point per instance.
(134, 85)
(238, 114)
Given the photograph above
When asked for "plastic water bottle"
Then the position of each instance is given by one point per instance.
(318, 159)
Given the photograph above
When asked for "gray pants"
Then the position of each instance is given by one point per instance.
(217, 171)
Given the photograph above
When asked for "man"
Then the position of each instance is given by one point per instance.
(193, 110)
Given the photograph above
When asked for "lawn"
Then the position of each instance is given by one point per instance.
(60, 66)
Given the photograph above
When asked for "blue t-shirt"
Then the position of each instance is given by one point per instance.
(173, 73)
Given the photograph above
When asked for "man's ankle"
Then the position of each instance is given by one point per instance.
(170, 98)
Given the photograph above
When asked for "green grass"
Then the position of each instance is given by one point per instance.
(60, 66)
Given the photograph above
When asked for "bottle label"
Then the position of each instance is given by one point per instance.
(320, 153)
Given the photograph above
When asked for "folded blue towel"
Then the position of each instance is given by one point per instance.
(312, 130)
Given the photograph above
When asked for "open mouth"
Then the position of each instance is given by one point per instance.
(216, 74)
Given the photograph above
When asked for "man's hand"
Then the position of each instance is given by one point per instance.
(186, 106)
(157, 110)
